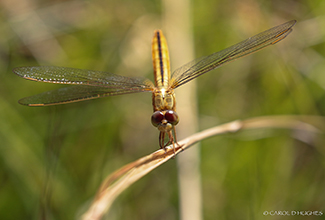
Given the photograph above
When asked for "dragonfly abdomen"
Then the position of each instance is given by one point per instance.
(160, 58)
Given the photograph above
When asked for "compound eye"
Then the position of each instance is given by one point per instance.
(171, 117)
(156, 118)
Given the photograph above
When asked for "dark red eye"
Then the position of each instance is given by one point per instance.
(171, 117)
(156, 118)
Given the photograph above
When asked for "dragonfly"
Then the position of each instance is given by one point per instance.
(90, 84)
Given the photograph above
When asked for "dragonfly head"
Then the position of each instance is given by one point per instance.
(164, 120)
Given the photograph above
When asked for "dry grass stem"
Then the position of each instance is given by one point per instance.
(121, 179)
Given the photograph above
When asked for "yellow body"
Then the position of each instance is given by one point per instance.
(163, 98)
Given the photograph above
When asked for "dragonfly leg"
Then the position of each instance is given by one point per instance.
(176, 139)
(162, 140)
(171, 141)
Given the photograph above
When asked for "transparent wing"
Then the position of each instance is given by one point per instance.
(204, 64)
(91, 84)
(74, 94)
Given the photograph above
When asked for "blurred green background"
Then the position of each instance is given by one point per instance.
(54, 158)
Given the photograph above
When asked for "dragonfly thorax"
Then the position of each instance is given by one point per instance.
(163, 100)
